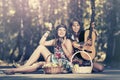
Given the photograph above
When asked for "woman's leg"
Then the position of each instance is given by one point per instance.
(31, 68)
(36, 54)
(97, 67)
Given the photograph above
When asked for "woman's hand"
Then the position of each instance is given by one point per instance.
(45, 35)
(48, 25)
(76, 45)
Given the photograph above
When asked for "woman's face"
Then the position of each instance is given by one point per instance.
(93, 24)
(61, 32)
(75, 27)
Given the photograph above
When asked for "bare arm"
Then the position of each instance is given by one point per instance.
(75, 44)
(44, 37)
(44, 42)
(67, 48)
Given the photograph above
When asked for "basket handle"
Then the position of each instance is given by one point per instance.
(82, 52)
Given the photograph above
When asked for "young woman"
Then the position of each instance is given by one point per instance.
(80, 38)
(62, 52)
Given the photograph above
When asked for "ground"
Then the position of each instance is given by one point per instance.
(107, 74)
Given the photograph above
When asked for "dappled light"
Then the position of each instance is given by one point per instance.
(22, 23)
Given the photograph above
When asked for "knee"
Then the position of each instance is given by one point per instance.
(98, 67)
(101, 68)
(36, 66)
(41, 47)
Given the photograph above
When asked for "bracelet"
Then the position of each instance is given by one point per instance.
(45, 36)
(48, 32)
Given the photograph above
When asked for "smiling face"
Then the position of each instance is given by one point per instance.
(61, 32)
(93, 24)
(75, 26)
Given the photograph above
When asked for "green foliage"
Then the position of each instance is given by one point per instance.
(22, 23)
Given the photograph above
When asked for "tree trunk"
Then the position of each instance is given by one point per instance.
(111, 30)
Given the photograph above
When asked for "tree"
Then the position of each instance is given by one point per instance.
(111, 19)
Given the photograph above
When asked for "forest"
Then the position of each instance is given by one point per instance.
(22, 23)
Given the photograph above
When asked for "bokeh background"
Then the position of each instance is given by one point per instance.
(22, 23)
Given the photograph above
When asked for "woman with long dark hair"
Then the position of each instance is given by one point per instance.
(62, 51)
(84, 40)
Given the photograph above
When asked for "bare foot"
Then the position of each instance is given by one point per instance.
(8, 72)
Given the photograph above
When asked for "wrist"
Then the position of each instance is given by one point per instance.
(48, 31)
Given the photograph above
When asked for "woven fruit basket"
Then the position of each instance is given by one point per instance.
(82, 69)
(51, 68)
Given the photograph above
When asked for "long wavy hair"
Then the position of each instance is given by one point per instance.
(80, 23)
(58, 42)
(59, 26)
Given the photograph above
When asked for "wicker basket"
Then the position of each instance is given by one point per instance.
(82, 69)
(53, 70)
